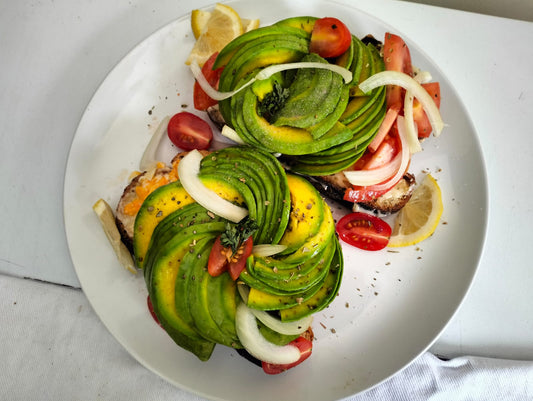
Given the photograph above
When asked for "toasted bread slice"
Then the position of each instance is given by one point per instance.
(335, 185)
(133, 196)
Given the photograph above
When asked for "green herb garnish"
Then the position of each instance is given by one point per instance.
(273, 101)
(236, 234)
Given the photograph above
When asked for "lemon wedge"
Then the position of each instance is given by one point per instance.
(199, 20)
(107, 219)
(419, 218)
(249, 24)
(215, 30)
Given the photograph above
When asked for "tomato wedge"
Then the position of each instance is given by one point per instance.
(306, 348)
(223, 259)
(188, 131)
(238, 260)
(419, 115)
(329, 38)
(397, 57)
(218, 258)
(201, 100)
(364, 231)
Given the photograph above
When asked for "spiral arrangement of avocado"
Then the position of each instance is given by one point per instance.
(320, 124)
(173, 237)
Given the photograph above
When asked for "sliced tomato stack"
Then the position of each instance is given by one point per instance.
(385, 145)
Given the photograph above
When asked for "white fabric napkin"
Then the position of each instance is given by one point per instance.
(54, 347)
(465, 378)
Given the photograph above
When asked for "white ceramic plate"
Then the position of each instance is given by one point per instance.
(391, 306)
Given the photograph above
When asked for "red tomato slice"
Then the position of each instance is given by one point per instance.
(201, 100)
(397, 57)
(389, 147)
(188, 131)
(238, 261)
(306, 348)
(363, 194)
(419, 115)
(221, 258)
(218, 259)
(151, 309)
(364, 231)
(329, 38)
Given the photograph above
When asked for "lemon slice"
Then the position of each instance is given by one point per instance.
(249, 24)
(419, 218)
(199, 20)
(215, 30)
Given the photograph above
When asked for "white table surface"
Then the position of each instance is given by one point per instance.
(54, 55)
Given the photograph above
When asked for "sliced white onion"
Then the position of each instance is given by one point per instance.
(288, 328)
(275, 68)
(230, 133)
(188, 170)
(411, 85)
(422, 77)
(208, 89)
(254, 342)
(405, 156)
(411, 132)
(375, 175)
(267, 249)
(148, 158)
(263, 74)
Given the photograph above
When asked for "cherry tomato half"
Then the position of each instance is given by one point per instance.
(238, 261)
(201, 100)
(218, 259)
(306, 348)
(364, 231)
(329, 38)
(221, 258)
(188, 131)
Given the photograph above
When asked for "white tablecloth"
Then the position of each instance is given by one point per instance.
(54, 347)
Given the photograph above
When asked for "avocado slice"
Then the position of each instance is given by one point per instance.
(259, 53)
(159, 204)
(314, 94)
(190, 220)
(231, 48)
(296, 281)
(307, 212)
(285, 139)
(265, 299)
(266, 178)
(305, 23)
(222, 292)
(315, 243)
(201, 299)
(162, 292)
(324, 296)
